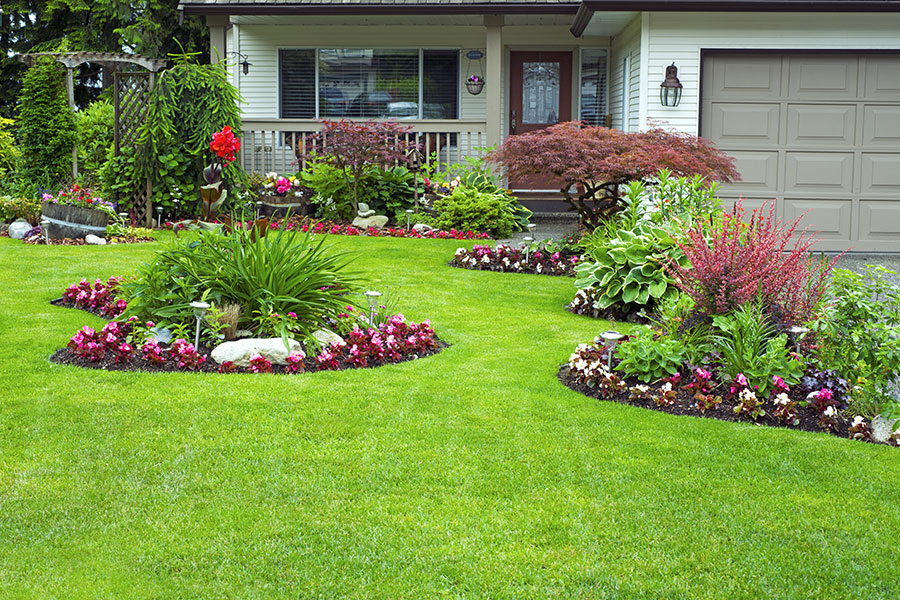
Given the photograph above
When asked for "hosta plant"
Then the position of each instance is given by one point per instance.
(628, 271)
(650, 359)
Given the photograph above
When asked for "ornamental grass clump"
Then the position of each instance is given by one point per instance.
(733, 262)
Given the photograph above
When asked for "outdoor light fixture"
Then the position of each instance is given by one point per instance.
(124, 217)
(159, 212)
(200, 309)
(45, 229)
(258, 208)
(670, 89)
(531, 227)
(372, 296)
(797, 333)
(610, 341)
(528, 240)
(245, 64)
(414, 160)
(409, 214)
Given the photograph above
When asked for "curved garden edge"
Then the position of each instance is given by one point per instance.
(684, 405)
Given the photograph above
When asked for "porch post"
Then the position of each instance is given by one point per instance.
(217, 25)
(493, 78)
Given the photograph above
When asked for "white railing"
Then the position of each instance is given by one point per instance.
(281, 145)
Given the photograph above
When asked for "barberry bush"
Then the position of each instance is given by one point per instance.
(734, 261)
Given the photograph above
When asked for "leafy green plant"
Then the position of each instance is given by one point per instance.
(46, 126)
(676, 318)
(12, 208)
(650, 358)
(858, 336)
(331, 192)
(282, 272)
(748, 343)
(94, 129)
(469, 209)
(389, 191)
(9, 154)
(628, 271)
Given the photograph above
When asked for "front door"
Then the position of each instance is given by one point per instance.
(540, 94)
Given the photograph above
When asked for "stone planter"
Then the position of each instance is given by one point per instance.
(278, 207)
(73, 221)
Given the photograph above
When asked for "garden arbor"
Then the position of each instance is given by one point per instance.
(133, 79)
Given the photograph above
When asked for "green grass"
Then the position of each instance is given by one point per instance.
(469, 474)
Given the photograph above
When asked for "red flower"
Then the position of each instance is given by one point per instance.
(225, 144)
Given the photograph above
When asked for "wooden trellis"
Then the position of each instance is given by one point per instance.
(130, 99)
(131, 91)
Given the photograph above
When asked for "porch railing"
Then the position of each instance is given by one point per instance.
(280, 145)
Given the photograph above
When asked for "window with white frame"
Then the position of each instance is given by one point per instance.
(369, 83)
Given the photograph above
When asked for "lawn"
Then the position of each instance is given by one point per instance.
(470, 474)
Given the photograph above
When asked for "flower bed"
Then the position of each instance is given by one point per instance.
(506, 259)
(335, 228)
(584, 303)
(125, 345)
(815, 404)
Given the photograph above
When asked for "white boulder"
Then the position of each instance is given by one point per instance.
(18, 229)
(326, 337)
(882, 428)
(376, 221)
(94, 240)
(239, 352)
(421, 228)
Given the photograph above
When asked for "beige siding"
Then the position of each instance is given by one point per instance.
(679, 37)
(626, 44)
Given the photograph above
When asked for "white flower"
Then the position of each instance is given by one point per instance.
(667, 387)
(486, 259)
(538, 269)
(643, 389)
(460, 251)
(857, 421)
(505, 261)
(747, 394)
(781, 399)
(829, 412)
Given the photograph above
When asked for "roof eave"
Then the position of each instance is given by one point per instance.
(381, 9)
(745, 5)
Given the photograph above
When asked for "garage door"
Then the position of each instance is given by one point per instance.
(818, 132)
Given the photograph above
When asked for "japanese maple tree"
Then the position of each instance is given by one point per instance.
(596, 160)
(353, 146)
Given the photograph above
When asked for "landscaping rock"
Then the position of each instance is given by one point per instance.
(94, 240)
(4, 228)
(363, 210)
(421, 228)
(19, 228)
(241, 334)
(377, 221)
(326, 337)
(161, 334)
(882, 428)
(240, 351)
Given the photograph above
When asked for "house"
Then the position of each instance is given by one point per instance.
(805, 95)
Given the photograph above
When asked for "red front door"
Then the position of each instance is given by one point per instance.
(540, 94)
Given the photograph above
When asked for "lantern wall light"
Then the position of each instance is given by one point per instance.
(670, 89)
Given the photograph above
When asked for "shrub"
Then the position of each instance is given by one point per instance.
(733, 262)
(281, 272)
(19, 208)
(628, 270)
(389, 191)
(94, 128)
(9, 154)
(596, 160)
(46, 126)
(354, 146)
(858, 336)
(331, 192)
(188, 104)
(468, 209)
(650, 359)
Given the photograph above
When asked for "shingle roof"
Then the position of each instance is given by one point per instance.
(236, 7)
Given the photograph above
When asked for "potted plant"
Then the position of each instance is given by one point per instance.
(75, 212)
(281, 195)
(475, 83)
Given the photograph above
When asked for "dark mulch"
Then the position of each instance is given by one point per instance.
(531, 270)
(65, 356)
(809, 418)
(38, 240)
(611, 313)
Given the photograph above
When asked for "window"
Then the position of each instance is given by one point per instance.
(593, 86)
(369, 83)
